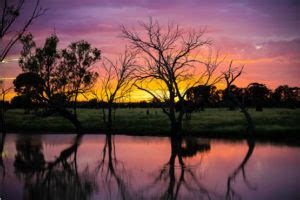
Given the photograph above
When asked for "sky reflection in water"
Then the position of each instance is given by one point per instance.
(124, 167)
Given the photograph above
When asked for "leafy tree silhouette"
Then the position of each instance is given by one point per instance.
(258, 93)
(64, 74)
(76, 66)
(29, 86)
(286, 96)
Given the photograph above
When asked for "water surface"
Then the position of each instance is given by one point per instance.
(127, 167)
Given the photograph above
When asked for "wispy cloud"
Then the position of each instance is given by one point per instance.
(260, 33)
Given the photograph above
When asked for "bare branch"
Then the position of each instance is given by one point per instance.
(10, 13)
(117, 78)
(169, 58)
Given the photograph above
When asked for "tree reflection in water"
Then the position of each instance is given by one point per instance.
(112, 171)
(231, 193)
(2, 142)
(58, 179)
(171, 179)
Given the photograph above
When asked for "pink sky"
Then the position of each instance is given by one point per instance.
(263, 35)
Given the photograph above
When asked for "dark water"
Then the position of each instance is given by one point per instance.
(124, 167)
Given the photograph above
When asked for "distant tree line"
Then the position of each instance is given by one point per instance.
(256, 95)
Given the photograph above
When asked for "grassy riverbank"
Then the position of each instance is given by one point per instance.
(214, 122)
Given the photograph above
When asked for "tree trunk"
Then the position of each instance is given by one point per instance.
(176, 126)
(68, 115)
(75, 105)
(179, 120)
(202, 106)
(231, 107)
(250, 124)
(259, 108)
(109, 120)
(104, 115)
(258, 104)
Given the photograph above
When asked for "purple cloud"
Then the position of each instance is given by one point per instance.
(243, 29)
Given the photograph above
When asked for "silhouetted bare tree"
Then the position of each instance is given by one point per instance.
(230, 76)
(169, 65)
(116, 81)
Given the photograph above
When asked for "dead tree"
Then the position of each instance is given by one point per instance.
(230, 76)
(170, 64)
(116, 82)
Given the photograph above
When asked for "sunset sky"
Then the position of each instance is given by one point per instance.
(262, 35)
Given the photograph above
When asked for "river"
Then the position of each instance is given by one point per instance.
(72, 166)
